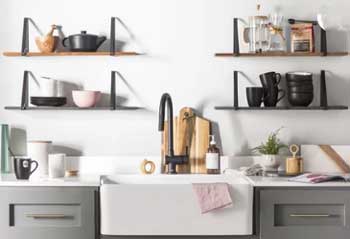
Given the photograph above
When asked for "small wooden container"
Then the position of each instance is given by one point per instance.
(294, 165)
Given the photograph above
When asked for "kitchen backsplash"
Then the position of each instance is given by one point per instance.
(179, 39)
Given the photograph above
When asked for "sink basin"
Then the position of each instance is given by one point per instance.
(165, 205)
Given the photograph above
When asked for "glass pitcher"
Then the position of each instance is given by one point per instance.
(257, 34)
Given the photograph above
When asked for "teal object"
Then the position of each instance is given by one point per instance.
(5, 154)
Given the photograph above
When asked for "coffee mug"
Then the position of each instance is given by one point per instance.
(270, 79)
(255, 95)
(271, 96)
(23, 167)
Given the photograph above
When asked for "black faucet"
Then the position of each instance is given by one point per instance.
(170, 159)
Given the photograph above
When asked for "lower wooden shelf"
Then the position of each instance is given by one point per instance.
(97, 53)
(247, 108)
(119, 108)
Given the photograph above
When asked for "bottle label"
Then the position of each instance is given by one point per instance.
(212, 160)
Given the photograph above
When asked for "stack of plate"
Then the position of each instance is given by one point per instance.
(300, 88)
(48, 101)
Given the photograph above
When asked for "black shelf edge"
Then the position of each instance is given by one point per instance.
(334, 107)
(118, 108)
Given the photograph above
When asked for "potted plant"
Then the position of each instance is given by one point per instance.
(269, 150)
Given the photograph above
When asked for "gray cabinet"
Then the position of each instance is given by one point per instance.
(309, 213)
(48, 212)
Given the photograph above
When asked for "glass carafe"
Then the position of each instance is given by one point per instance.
(258, 34)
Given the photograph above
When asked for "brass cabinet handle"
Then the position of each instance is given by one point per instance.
(46, 216)
(310, 215)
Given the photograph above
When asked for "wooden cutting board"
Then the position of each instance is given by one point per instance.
(320, 161)
(191, 132)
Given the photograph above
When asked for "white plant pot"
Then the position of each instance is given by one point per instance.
(269, 162)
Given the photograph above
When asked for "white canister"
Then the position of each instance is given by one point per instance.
(57, 165)
(39, 151)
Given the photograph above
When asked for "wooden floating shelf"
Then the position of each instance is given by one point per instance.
(335, 107)
(281, 54)
(98, 53)
(119, 108)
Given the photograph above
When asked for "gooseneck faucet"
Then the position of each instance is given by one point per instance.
(170, 158)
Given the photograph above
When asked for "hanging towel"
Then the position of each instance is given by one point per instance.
(212, 196)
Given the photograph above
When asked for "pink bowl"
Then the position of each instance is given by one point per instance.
(86, 98)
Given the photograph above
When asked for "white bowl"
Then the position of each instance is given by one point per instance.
(86, 98)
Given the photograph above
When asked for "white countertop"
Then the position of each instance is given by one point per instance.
(94, 181)
(80, 181)
(258, 181)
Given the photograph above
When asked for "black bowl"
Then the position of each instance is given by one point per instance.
(301, 88)
(48, 101)
(300, 99)
(299, 76)
(299, 84)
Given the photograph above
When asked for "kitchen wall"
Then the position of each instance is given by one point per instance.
(179, 38)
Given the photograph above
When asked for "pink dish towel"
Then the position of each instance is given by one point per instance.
(212, 196)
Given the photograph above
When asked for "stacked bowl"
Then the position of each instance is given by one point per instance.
(300, 88)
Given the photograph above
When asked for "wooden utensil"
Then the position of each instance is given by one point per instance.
(191, 134)
(47, 43)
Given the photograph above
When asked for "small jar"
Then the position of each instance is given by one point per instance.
(294, 165)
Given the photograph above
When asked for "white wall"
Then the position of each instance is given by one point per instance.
(180, 38)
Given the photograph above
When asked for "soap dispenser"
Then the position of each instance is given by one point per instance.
(212, 157)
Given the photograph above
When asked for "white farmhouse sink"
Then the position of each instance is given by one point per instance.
(134, 205)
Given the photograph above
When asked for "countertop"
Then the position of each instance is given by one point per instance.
(80, 181)
(94, 181)
(258, 181)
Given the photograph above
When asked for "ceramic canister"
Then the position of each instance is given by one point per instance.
(39, 151)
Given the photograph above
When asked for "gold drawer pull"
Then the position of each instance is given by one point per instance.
(46, 216)
(310, 215)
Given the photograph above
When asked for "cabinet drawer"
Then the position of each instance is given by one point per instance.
(47, 212)
(45, 215)
(311, 213)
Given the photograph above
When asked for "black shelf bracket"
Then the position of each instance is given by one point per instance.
(235, 89)
(323, 90)
(25, 90)
(113, 97)
(25, 37)
(235, 37)
(113, 37)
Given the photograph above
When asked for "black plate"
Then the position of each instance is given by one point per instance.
(48, 101)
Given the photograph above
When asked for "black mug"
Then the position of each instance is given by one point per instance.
(271, 96)
(270, 79)
(23, 167)
(255, 95)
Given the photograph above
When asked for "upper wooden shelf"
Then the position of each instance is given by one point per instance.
(281, 54)
(99, 53)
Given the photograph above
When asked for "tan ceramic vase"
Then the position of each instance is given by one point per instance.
(47, 43)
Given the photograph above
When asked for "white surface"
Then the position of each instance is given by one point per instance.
(180, 38)
(315, 160)
(81, 181)
(137, 203)
(283, 182)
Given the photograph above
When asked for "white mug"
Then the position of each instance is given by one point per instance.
(57, 165)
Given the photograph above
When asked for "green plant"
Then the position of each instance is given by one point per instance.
(272, 145)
